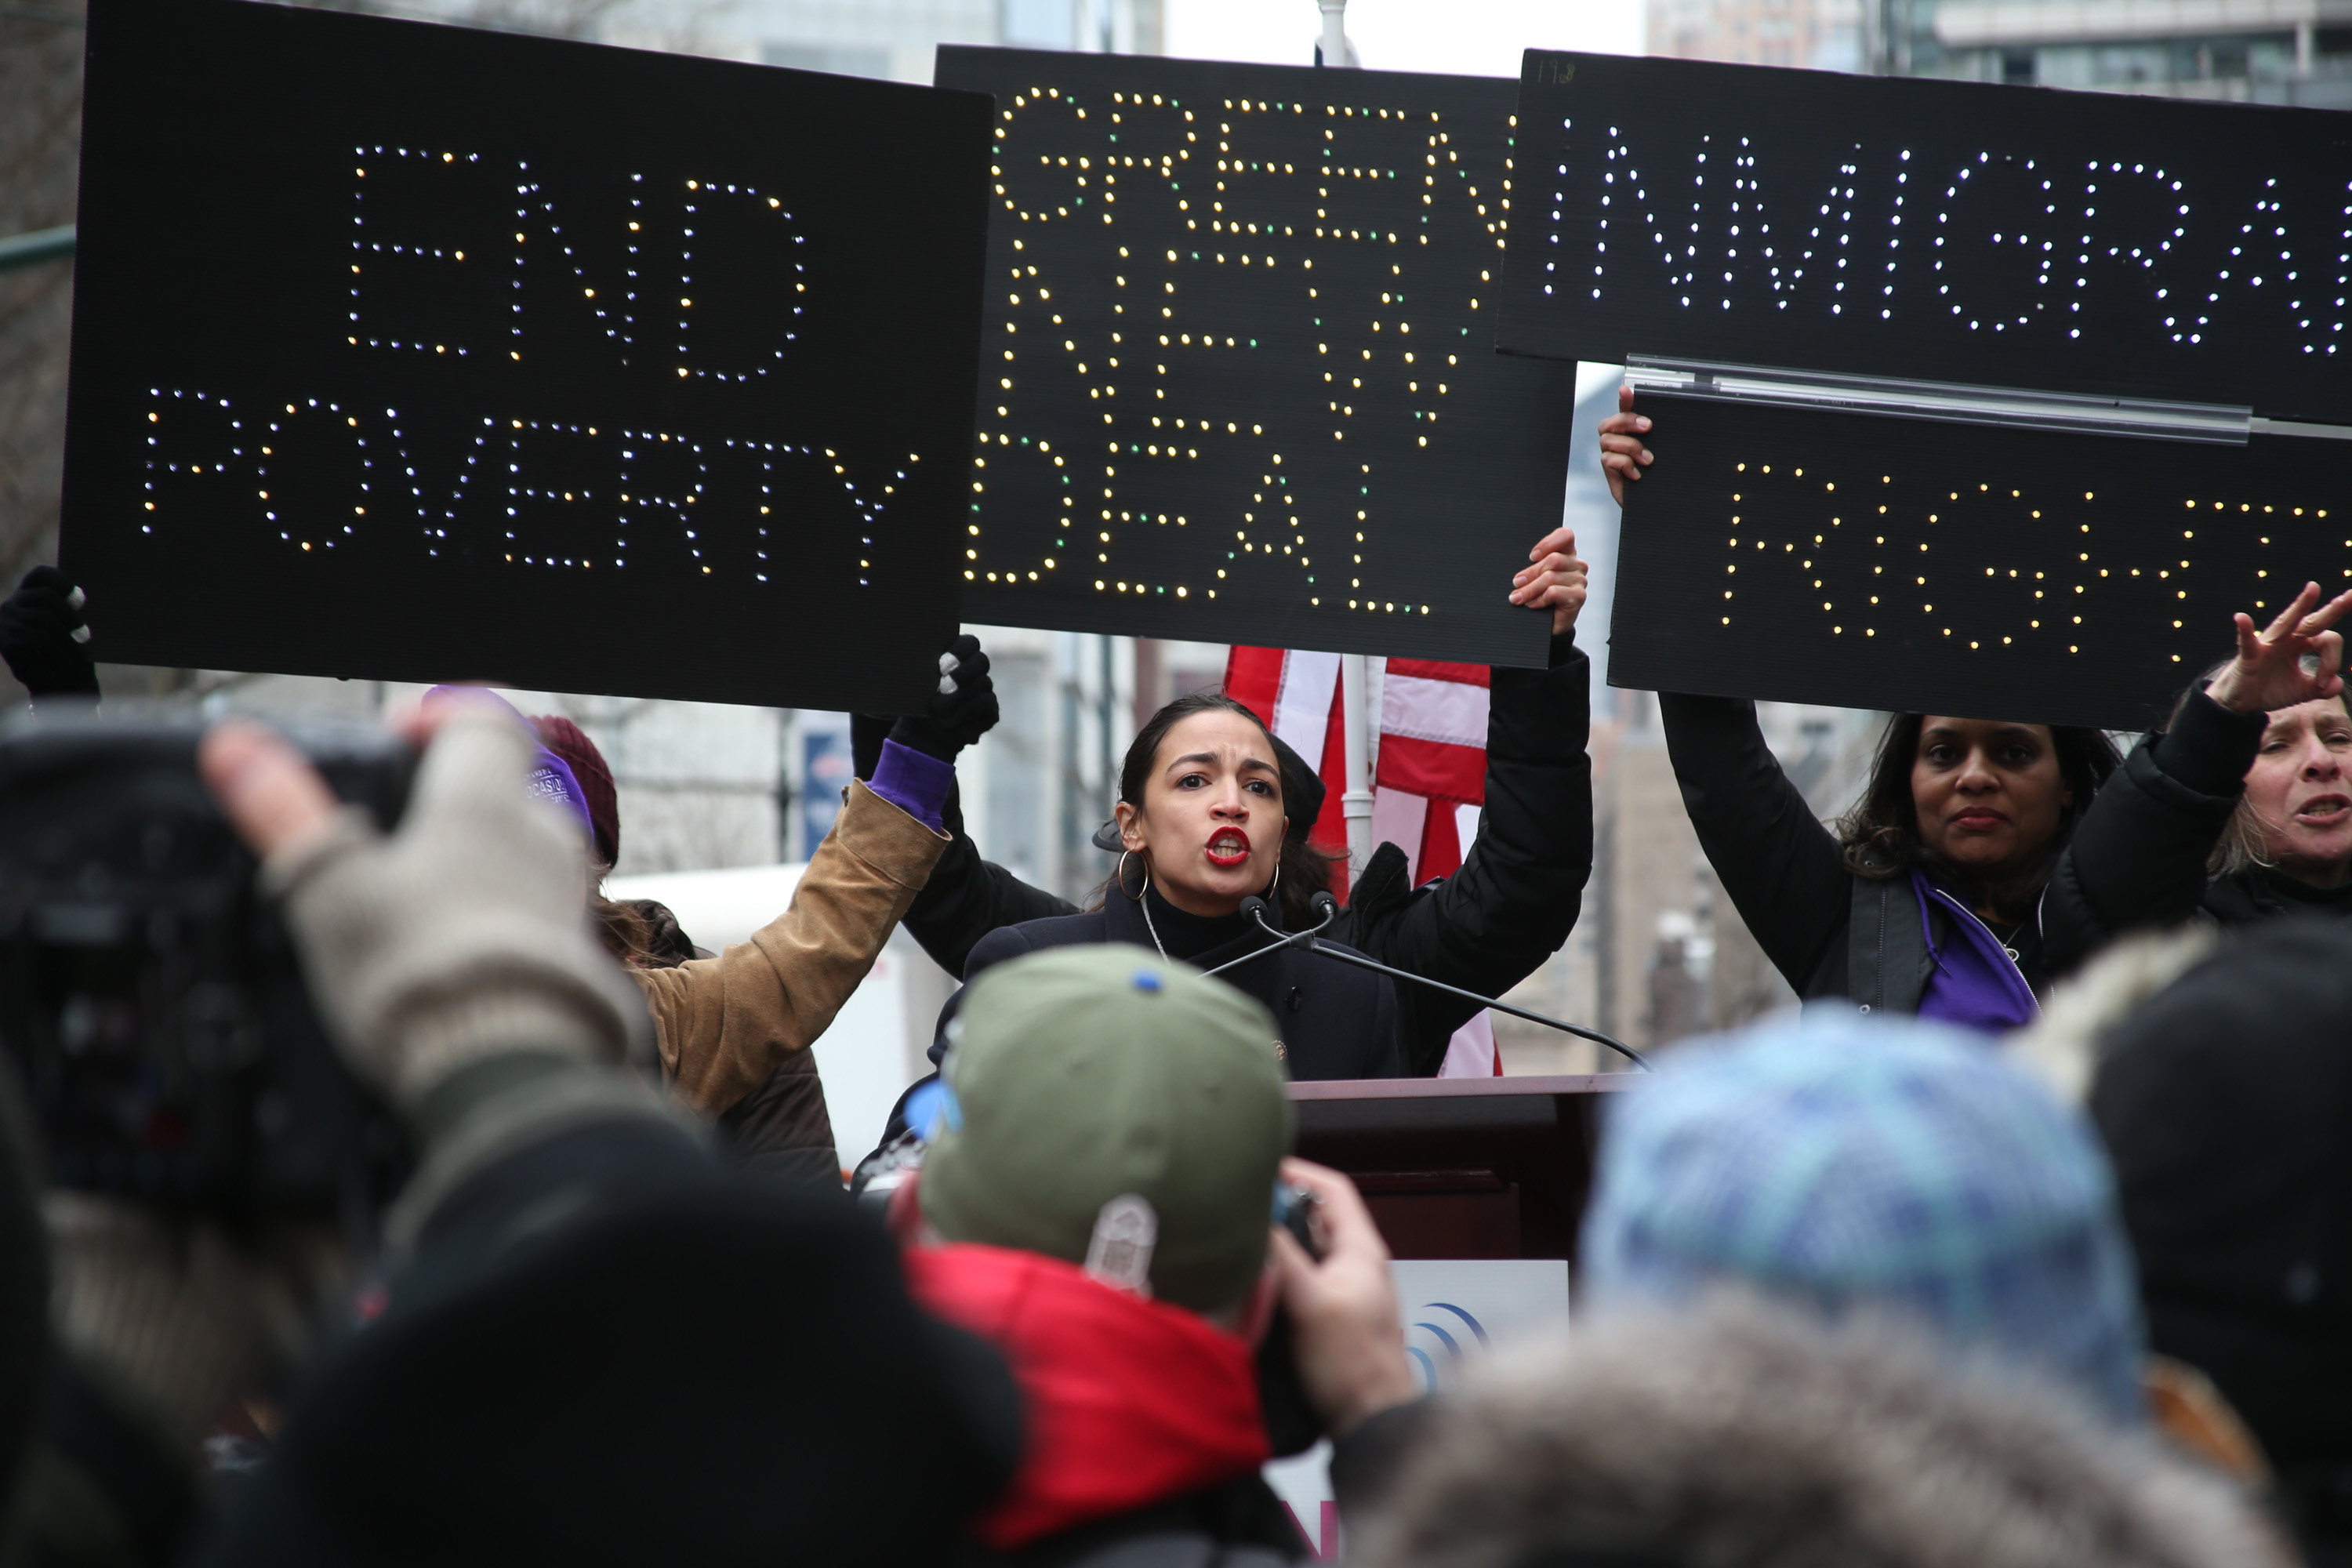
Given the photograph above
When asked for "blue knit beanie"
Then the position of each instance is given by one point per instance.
(1861, 1165)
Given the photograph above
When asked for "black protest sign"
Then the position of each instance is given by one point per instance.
(419, 353)
(1892, 563)
(2080, 242)
(1237, 379)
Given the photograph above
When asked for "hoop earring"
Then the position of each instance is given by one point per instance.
(1274, 888)
(1121, 876)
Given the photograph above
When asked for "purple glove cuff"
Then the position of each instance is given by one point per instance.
(915, 783)
(552, 779)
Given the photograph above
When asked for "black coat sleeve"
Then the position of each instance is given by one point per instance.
(2137, 857)
(967, 898)
(1492, 923)
(1784, 872)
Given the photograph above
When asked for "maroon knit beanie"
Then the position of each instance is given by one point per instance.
(571, 743)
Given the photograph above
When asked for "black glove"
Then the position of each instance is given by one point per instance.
(43, 638)
(866, 734)
(962, 710)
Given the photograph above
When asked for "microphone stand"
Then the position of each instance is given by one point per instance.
(1255, 908)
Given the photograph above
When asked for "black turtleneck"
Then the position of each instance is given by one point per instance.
(1330, 1020)
(1186, 936)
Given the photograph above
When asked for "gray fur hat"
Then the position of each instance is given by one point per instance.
(1740, 1435)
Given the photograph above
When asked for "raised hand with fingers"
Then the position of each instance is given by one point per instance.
(1556, 581)
(2269, 672)
(461, 936)
(1622, 455)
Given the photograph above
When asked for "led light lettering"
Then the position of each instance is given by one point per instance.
(1231, 335)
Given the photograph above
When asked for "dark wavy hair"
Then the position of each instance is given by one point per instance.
(1303, 870)
(1881, 833)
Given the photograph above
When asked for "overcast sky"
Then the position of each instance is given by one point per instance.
(1470, 38)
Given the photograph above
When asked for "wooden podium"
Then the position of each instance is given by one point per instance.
(1463, 1167)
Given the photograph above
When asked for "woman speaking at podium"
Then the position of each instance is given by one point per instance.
(1484, 928)
(1201, 831)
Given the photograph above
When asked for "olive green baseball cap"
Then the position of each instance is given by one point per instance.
(1084, 1074)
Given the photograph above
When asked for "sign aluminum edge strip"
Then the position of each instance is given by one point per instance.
(1949, 402)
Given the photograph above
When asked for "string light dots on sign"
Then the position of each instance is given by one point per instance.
(440, 203)
(321, 527)
(220, 462)
(524, 335)
(1962, 563)
(572, 493)
(1257, 195)
(701, 193)
(2054, 248)
(1924, 228)
(1867, 554)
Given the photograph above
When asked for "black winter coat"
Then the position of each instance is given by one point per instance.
(1335, 1020)
(2138, 861)
(1829, 931)
(1485, 928)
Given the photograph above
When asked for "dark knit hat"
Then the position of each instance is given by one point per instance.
(1302, 791)
(817, 1416)
(2226, 1104)
(571, 743)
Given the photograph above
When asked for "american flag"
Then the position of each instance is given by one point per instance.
(1428, 782)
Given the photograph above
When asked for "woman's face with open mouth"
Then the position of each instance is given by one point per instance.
(2298, 789)
(1211, 822)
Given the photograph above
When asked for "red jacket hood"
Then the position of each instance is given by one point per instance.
(1129, 1402)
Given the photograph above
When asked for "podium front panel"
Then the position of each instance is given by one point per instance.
(1463, 1168)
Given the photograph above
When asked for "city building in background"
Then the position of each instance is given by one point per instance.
(892, 40)
(2248, 51)
(1822, 35)
(2253, 51)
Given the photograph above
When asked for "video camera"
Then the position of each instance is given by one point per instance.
(152, 999)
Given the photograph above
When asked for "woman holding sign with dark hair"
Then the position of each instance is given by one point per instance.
(1484, 928)
(1201, 831)
(2242, 810)
(1926, 897)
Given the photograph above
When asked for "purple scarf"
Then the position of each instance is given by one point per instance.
(1975, 983)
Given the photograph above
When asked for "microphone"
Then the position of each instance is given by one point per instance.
(1255, 908)
(1328, 908)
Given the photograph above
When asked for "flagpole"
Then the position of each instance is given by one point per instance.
(1356, 798)
(1355, 673)
(1335, 51)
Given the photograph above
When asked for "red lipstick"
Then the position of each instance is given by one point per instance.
(1228, 848)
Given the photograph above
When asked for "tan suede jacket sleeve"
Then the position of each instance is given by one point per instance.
(724, 1024)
